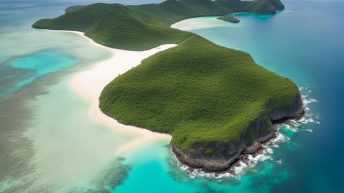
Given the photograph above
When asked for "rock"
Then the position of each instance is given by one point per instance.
(237, 164)
(228, 153)
(253, 148)
(245, 161)
(231, 172)
(260, 151)
(294, 110)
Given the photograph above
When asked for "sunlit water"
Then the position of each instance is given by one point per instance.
(49, 143)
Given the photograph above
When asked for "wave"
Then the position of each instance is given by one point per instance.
(243, 166)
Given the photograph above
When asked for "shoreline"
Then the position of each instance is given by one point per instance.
(200, 23)
(246, 161)
(228, 153)
(90, 82)
(219, 164)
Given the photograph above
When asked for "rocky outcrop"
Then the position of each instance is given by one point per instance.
(225, 154)
(294, 110)
(266, 6)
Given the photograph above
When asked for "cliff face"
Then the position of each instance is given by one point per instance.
(227, 153)
(266, 6)
(294, 110)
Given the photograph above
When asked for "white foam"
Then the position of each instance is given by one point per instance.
(268, 148)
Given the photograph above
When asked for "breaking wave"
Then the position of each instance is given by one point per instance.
(243, 166)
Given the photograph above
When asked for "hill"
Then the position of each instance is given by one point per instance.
(141, 27)
(202, 94)
(217, 103)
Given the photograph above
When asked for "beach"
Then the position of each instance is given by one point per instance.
(90, 83)
(54, 138)
(66, 141)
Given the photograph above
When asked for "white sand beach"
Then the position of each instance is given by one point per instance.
(200, 23)
(90, 83)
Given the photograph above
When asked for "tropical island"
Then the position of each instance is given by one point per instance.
(217, 103)
(142, 27)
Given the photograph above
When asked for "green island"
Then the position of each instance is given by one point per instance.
(217, 103)
(142, 27)
(229, 18)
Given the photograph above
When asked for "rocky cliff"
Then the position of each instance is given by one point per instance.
(227, 153)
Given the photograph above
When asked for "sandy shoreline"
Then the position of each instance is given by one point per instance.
(90, 83)
(198, 23)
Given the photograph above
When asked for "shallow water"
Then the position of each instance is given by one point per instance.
(50, 143)
(33, 67)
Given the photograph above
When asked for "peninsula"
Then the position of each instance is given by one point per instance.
(217, 103)
(143, 27)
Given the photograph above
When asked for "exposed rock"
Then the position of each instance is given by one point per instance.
(253, 148)
(260, 151)
(237, 164)
(228, 153)
(231, 172)
(294, 110)
(246, 161)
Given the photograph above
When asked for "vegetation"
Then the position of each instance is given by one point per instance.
(141, 27)
(229, 19)
(199, 92)
(115, 26)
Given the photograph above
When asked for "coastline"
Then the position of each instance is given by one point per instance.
(261, 151)
(76, 153)
(219, 163)
(197, 23)
(89, 84)
(246, 157)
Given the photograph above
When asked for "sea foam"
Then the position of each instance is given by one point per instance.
(241, 168)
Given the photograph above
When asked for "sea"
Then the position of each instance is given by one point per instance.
(49, 143)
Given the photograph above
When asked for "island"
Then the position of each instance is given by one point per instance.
(216, 102)
(142, 27)
(229, 18)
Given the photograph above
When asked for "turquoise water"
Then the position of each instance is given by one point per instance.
(48, 140)
(304, 43)
(51, 144)
(310, 51)
(156, 163)
(35, 66)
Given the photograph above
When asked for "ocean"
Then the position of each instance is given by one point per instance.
(48, 143)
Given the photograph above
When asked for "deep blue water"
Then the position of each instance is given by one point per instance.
(304, 42)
